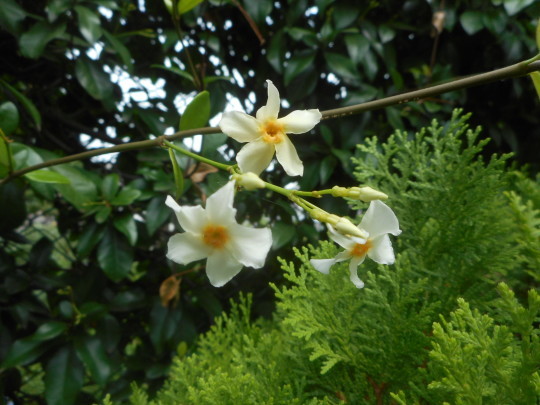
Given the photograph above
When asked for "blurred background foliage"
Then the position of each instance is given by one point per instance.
(88, 302)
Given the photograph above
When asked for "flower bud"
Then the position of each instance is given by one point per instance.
(346, 227)
(366, 194)
(250, 181)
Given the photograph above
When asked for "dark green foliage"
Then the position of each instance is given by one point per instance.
(409, 335)
(87, 258)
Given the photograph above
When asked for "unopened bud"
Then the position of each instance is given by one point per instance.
(346, 227)
(319, 215)
(249, 180)
(366, 194)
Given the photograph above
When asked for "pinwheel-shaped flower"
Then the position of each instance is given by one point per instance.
(266, 134)
(213, 233)
(378, 222)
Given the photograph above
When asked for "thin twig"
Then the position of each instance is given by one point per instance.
(519, 69)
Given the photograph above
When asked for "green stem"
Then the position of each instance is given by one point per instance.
(292, 195)
(192, 155)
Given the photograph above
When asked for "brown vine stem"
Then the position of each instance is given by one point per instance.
(118, 148)
(519, 69)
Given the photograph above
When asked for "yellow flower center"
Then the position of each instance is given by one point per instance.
(215, 236)
(272, 132)
(360, 249)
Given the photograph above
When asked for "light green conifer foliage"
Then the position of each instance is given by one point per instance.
(466, 227)
(482, 359)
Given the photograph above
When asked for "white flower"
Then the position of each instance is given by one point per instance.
(267, 133)
(213, 233)
(378, 222)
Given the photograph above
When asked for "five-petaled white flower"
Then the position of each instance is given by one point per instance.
(378, 222)
(213, 233)
(267, 133)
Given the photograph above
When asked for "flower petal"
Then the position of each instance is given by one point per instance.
(219, 206)
(353, 270)
(185, 248)
(240, 126)
(250, 246)
(271, 110)
(379, 220)
(300, 121)
(342, 240)
(288, 157)
(255, 156)
(171, 203)
(221, 267)
(192, 219)
(381, 250)
(322, 265)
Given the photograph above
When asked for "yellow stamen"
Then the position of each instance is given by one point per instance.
(360, 249)
(272, 132)
(215, 236)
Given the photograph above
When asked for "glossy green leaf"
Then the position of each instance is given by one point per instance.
(156, 214)
(89, 238)
(114, 256)
(25, 101)
(275, 54)
(471, 21)
(126, 196)
(109, 332)
(386, 34)
(33, 42)
(49, 330)
(11, 15)
(298, 64)
(187, 5)
(197, 112)
(515, 6)
(342, 67)
(309, 37)
(47, 176)
(178, 174)
(64, 377)
(357, 46)
(56, 8)
(110, 185)
(282, 234)
(327, 167)
(126, 225)
(89, 24)
(93, 79)
(345, 14)
(92, 352)
(9, 117)
(258, 10)
(23, 351)
(535, 76)
(82, 191)
(122, 51)
(163, 324)
(103, 213)
(370, 65)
